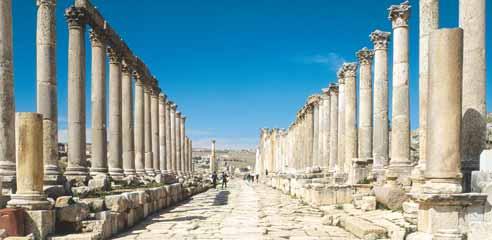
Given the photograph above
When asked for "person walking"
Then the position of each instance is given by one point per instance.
(224, 180)
(214, 179)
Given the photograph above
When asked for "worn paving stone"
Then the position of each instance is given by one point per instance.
(243, 211)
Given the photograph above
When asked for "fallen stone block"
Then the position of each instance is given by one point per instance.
(95, 204)
(40, 223)
(363, 229)
(368, 203)
(392, 197)
(117, 203)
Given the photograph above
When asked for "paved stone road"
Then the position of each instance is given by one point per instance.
(243, 211)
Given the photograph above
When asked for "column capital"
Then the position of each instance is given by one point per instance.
(340, 75)
(97, 37)
(183, 117)
(173, 106)
(76, 17)
(178, 114)
(365, 56)
(349, 69)
(380, 39)
(333, 89)
(125, 67)
(162, 97)
(399, 14)
(46, 2)
(114, 55)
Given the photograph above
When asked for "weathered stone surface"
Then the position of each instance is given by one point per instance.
(368, 203)
(363, 229)
(40, 223)
(95, 204)
(117, 203)
(54, 191)
(64, 201)
(100, 183)
(390, 196)
(72, 213)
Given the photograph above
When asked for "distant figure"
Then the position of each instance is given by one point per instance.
(214, 179)
(224, 180)
(257, 178)
(266, 172)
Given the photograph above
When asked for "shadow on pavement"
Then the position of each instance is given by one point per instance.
(222, 198)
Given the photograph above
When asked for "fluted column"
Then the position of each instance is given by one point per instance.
(115, 142)
(139, 125)
(148, 131)
(472, 21)
(169, 151)
(162, 134)
(77, 163)
(365, 107)
(341, 123)
(182, 135)
(46, 87)
(315, 153)
(400, 117)
(179, 150)
(309, 128)
(349, 71)
(380, 131)
(172, 120)
(154, 115)
(99, 161)
(127, 123)
(325, 130)
(333, 127)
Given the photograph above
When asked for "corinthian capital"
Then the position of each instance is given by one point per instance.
(365, 56)
(97, 37)
(380, 39)
(340, 75)
(399, 14)
(349, 69)
(114, 55)
(76, 17)
(50, 3)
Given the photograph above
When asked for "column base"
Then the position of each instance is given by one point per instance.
(40, 223)
(403, 173)
(129, 172)
(34, 201)
(149, 172)
(116, 174)
(9, 185)
(140, 172)
(77, 176)
(98, 171)
(442, 186)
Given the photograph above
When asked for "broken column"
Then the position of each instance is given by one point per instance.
(115, 162)
(400, 132)
(213, 158)
(127, 122)
(324, 130)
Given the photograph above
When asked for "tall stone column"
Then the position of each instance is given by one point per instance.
(333, 127)
(154, 115)
(309, 133)
(428, 21)
(179, 150)
(315, 153)
(162, 134)
(169, 151)
(185, 158)
(127, 123)
(172, 120)
(182, 135)
(365, 108)
(29, 142)
(380, 141)
(99, 161)
(400, 117)
(46, 87)
(213, 158)
(341, 123)
(192, 166)
(472, 21)
(115, 91)
(325, 130)
(139, 125)
(349, 71)
(77, 163)
(443, 171)
(148, 131)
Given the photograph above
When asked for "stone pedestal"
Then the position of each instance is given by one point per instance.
(29, 142)
(40, 223)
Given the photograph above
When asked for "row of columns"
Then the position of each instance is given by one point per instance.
(332, 139)
(146, 134)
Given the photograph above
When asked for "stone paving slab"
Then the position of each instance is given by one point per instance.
(243, 211)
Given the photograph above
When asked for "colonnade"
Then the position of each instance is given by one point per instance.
(329, 137)
(146, 135)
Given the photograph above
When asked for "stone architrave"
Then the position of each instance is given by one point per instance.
(77, 163)
(115, 161)
(400, 131)
(179, 150)
(155, 130)
(46, 87)
(365, 57)
(380, 141)
(99, 161)
(341, 122)
(148, 131)
(172, 121)
(139, 125)
(127, 121)
(30, 171)
(162, 134)
(333, 127)
(349, 71)
(472, 20)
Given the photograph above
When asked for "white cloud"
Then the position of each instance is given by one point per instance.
(332, 60)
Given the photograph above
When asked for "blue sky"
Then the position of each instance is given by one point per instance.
(233, 66)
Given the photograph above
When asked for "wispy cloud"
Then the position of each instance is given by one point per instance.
(332, 60)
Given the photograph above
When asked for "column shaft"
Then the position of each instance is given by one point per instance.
(315, 153)
(333, 127)
(350, 115)
(365, 108)
(148, 131)
(178, 142)
(115, 143)
(168, 138)
(183, 141)
(341, 125)
(127, 123)
(162, 134)
(139, 126)
(172, 118)
(155, 131)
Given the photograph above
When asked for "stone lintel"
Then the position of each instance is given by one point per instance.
(455, 199)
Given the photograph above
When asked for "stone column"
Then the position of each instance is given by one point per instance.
(162, 134)
(333, 127)
(127, 123)
(154, 115)
(139, 125)
(29, 152)
(99, 161)
(315, 153)
(192, 166)
(46, 87)
(428, 21)
(179, 150)
(213, 164)
(185, 160)
(365, 108)
(172, 120)
(148, 131)
(380, 131)
(400, 117)
(169, 151)
(341, 123)
(325, 130)
(115, 142)
(77, 163)
(445, 88)
(472, 21)
(182, 135)
(349, 70)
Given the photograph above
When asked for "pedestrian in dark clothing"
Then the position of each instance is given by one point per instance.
(224, 180)
(214, 179)
(257, 177)
(266, 172)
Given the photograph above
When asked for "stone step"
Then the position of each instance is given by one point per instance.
(362, 228)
